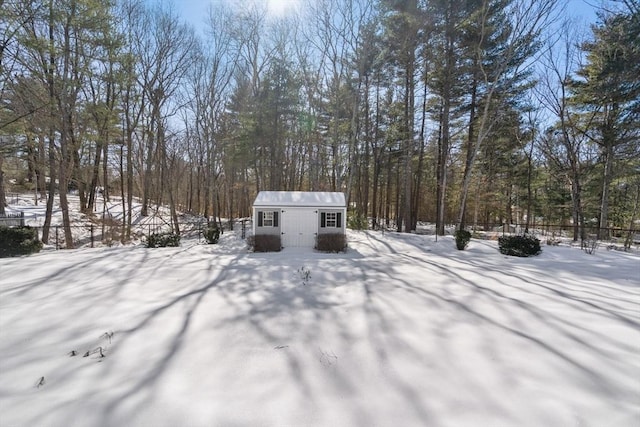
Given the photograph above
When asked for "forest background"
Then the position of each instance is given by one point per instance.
(473, 113)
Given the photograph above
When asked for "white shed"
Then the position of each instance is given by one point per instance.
(299, 216)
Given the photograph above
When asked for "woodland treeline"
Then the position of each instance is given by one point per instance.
(456, 112)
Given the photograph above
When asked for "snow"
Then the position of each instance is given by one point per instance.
(402, 330)
(111, 212)
(300, 198)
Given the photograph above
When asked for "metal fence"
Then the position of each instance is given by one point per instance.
(548, 232)
(12, 220)
(561, 231)
(554, 234)
(92, 235)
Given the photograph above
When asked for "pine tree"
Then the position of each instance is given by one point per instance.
(608, 86)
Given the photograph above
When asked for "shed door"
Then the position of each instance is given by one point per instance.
(299, 227)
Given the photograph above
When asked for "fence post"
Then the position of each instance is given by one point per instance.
(21, 218)
(57, 246)
(91, 235)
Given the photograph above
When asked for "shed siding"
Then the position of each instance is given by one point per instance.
(260, 229)
(332, 230)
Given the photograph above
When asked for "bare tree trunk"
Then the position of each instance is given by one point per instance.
(65, 161)
(632, 221)
(404, 219)
(49, 72)
(366, 162)
(75, 174)
(387, 201)
(123, 228)
(146, 179)
(42, 161)
(94, 175)
(419, 173)
(3, 199)
(469, 143)
(529, 179)
(606, 183)
(441, 171)
(377, 161)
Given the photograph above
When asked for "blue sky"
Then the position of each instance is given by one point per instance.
(194, 11)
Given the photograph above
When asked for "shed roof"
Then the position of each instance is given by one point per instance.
(300, 198)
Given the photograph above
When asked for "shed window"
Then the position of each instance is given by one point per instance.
(267, 218)
(331, 220)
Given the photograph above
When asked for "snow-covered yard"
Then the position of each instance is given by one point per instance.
(399, 331)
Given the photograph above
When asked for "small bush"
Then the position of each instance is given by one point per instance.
(553, 240)
(523, 245)
(358, 222)
(265, 243)
(589, 245)
(334, 242)
(163, 240)
(212, 234)
(18, 241)
(463, 237)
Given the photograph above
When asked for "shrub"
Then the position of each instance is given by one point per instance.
(521, 245)
(357, 222)
(589, 245)
(163, 240)
(553, 241)
(463, 237)
(265, 243)
(334, 242)
(212, 234)
(18, 241)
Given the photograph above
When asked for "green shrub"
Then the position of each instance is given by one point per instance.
(334, 242)
(357, 222)
(521, 245)
(265, 243)
(163, 240)
(463, 237)
(212, 234)
(18, 241)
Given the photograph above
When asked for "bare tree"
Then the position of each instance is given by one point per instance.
(526, 20)
(165, 56)
(210, 82)
(567, 149)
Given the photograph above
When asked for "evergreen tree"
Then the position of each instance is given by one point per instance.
(608, 86)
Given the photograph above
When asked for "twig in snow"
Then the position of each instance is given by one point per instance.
(40, 382)
(98, 350)
(107, 336)
(305, 275)
(279, 347)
